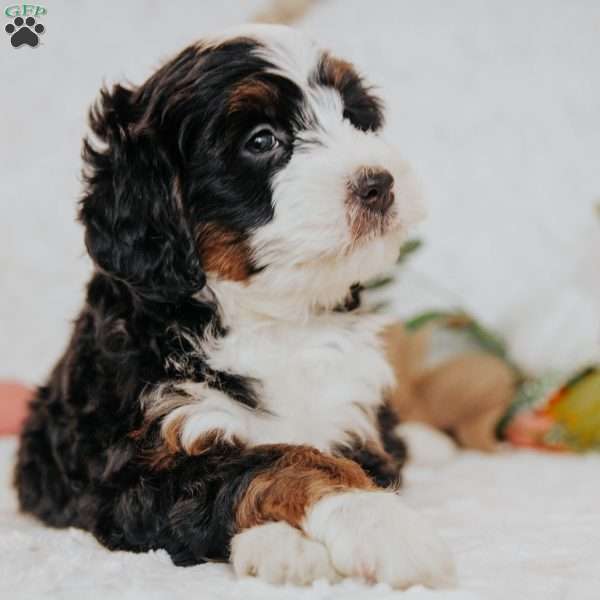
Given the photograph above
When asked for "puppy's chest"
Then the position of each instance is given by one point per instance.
(318, 383)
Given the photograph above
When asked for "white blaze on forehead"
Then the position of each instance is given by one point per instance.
(293, 55)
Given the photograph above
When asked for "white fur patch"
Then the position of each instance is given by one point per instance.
(321, 381)
(279, 553)
(426, 445)
(374, 536)
(206, 411)
(291, 52)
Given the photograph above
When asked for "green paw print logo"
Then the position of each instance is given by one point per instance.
(24, 30)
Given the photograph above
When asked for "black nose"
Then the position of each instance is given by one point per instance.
(374, 189)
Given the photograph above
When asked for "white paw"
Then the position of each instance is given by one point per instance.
(426, 445)
(374, 536)
(278, 553)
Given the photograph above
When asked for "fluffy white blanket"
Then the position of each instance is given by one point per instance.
(521, 526)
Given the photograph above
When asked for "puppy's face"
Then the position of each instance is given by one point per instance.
(270, 159)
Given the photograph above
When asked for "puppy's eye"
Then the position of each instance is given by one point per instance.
(262, 141)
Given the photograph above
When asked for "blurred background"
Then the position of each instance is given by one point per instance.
(496, 105)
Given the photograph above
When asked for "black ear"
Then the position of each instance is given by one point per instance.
(132, 209)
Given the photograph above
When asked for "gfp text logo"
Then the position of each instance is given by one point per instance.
(24, 30)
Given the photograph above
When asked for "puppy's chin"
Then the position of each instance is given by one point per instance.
(373, 254)
(300, 288)
(368, 227)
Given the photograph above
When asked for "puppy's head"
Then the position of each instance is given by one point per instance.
(252, 158)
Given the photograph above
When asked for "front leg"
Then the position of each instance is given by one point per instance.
(193, 506)
(374, 536)
(368, 532)
(282, 512)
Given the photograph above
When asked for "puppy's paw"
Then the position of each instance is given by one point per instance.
(374, 536)
(278, 553)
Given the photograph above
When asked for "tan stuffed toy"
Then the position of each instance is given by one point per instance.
(464, 396)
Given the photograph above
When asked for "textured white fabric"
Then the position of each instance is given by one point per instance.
(521, 526)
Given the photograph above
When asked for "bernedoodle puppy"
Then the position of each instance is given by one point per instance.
(220, 397)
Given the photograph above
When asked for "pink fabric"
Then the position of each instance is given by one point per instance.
(14, 397)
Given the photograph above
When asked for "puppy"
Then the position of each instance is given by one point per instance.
(216, 399)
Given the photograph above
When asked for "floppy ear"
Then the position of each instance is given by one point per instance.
(132, 209)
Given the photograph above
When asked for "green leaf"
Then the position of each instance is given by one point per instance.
(425, 318)
(409, 247)
(378, 282)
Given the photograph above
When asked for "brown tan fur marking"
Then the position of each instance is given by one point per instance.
(163, 455)
(294, 483)
(252, 93)
(172, 432)
(223, 252)
(336, 73)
